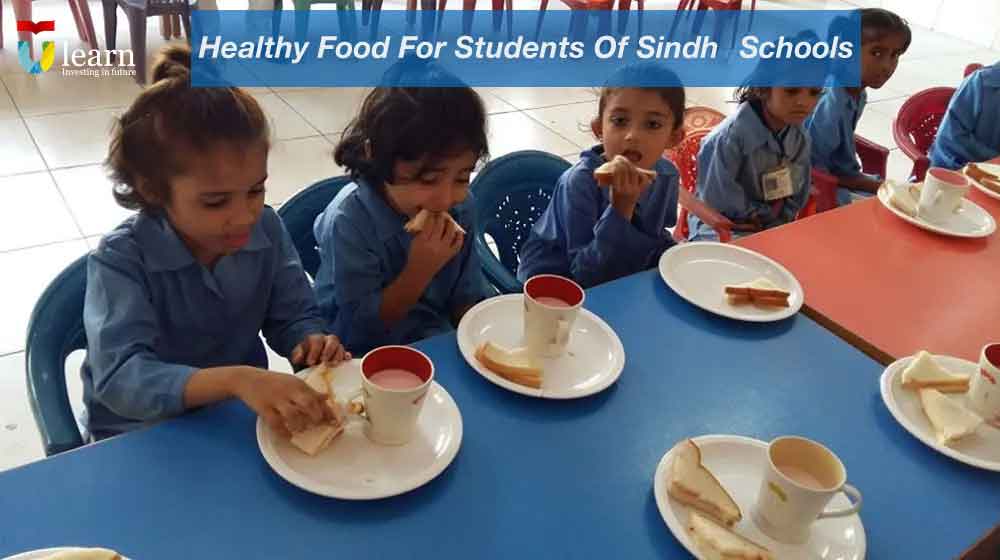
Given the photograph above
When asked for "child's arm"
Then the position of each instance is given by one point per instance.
(707, 214)
(956, 143)
(860, 182)
(471, 286)
(801, 161)
(431, 248)
(719, 163)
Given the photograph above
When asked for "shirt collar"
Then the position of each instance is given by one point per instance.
(388, 222)
(990, 75)
(164, 249)
(751, 127)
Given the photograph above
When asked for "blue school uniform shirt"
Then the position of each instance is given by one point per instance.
(363, 248)
(831, 130)
(970, 130)
(154, 315)
(581, 236)
(732, 162)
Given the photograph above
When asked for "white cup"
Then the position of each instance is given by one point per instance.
(800, 478)
(984, 388)
(551, 304)
(942, 193)
(390, 414)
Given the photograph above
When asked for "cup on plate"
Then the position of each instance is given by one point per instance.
(551, 304)
(394, 383)
(800, 478)
(984, 391)
(942, 193)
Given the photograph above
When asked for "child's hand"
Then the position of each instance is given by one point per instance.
(284, 401)
(721, 224)
(628, 182)
(436, 244)
(319, 348)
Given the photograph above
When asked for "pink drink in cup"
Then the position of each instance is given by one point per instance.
(395, 380)
(551, 304)
(942, 193)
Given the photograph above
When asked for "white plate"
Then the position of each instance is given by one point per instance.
(970, 221)
(42, 553)
(981, 449)
(592, 362)
(352, 467)
(989, 168)
(699, 271)
(738, 463)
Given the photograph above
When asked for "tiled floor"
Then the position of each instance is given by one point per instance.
(57, 201)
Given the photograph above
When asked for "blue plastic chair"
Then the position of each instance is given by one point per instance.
(511, 193)
(54, 331)
(299, 213)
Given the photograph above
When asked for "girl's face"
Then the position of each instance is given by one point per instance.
(791, 106)
(879, 58)
(433, 184)
(215, 206)
(637, 124)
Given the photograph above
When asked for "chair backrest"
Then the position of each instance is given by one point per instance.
(685, 158)
(299, 213)
(918, 120)
(699, 117)
(971, 68)
(511, 193)
(54, 331)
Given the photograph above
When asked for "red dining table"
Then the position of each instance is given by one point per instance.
(888, 287)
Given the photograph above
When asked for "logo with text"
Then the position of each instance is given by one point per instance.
(24, 47)
(75, 62)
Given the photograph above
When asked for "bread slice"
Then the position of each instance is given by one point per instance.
(983, 177)
(694, 485)
(951, 420)
(924, 372)
(417, 223)
(514, 365)
(316, 438)
(716, 542)
(605, 173)
(83, 554)
(904, 197)
(762, 292)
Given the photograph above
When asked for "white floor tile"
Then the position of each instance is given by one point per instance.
(18, 153)
(327, 109)
(285, 122)
(572, 122)
(7, 109)
(28, 273)
(493, 103)
(50, 93)
(888, 107)
(87, 191)
(900, 166)
(78, 138)
(295, 164)
(33, 213)
(877, 127)
(509, 132)
(534, 98)
(19, 439)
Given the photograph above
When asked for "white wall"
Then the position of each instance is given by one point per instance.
(972, 20)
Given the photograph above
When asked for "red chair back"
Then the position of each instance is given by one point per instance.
(685, 158)
(699, 117)
(971, 68)
(917, 124)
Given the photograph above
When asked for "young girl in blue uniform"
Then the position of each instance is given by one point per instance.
(178, 294)
(409, 149)
(970, 130)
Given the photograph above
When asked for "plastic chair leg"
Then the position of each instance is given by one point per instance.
(110, 23)
(137, 34)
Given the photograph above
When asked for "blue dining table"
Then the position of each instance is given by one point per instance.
(534, 478)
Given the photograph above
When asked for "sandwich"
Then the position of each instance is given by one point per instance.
(904, 197)
(417, 223)
(761, 292)
(517, 365)
(83, 554)
(925, 373)
(983, 177)
(316, 438)
(716, 542)
(951, 420)
(606, 172)
(695, 486)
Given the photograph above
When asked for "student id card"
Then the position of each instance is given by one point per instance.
(777, 183)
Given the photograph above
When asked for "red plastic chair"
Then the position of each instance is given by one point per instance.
(874, 160)
(917, 124)
(685, 158)
(699, 117)
(971, 68)
(716, 4)
(601, 4)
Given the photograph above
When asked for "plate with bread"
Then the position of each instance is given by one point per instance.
(705, 488)
(337, 459)
(926, 394)
(731, 281)
(68, 553)
(490, 339)
(985, 177)
(971, 221)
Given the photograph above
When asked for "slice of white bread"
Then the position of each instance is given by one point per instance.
(694, 485)
(83, 554)
(416, 224)
(951, 420)
(315, 439)
(605, 173)
(924, 372)
(716, 542)
(514, 365)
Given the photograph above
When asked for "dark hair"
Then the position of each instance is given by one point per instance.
(637, 76)
(877, 23)
(168, 123)
(407, 122)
